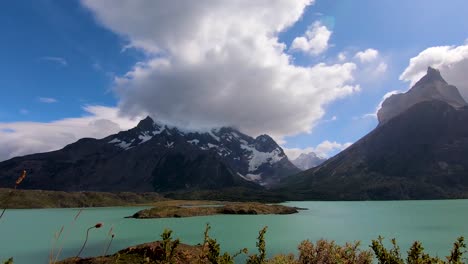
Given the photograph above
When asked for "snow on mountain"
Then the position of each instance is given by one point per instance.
(254, 159)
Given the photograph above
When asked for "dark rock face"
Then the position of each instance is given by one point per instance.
(154, 157)
(418, 154)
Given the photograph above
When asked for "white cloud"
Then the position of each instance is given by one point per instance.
(381, 68)
(215, 63)
(324, 149)
(373, 65)
(21, 138)
(314, 41)
(58, 60)
(47, 100)
(341, 56)
(293, 153)
(367, 55)
(387, 95)
(24, 111)
(452, 61)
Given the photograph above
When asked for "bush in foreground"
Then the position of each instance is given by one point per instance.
(169, 251)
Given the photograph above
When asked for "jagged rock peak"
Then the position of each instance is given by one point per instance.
(430, 87)
(148, 123)
(432, 75)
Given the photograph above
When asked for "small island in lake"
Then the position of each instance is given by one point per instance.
(167, 209)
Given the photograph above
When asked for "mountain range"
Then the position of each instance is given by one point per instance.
(155, 157)
(417, 151)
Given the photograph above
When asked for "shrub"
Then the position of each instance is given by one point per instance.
(416, 253)
(329, 252)
(211, 251)
(169, 246)
(261, 246)
(8, 261)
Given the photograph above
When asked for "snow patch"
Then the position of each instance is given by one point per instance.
(257, 158)
(251, 177)
(169, 144)
(212, 145)
(115, 140)
(125, 145)
(211, 132)
(121, 143)
(144, 137)
(159, 130)
(254, 177)
(193, 141)
(235, 134)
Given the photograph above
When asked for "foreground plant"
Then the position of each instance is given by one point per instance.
(169, 246)
(261, 246)
(211, 251)
(98, 225)
(8, 261)
(416, 253)
(112, 235)
(17, 183)
(60, 236)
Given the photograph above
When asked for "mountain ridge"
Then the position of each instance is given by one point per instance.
(155, 157)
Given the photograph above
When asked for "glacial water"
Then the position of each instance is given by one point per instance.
(27, 235)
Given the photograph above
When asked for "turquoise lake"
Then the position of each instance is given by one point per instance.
(27, 235)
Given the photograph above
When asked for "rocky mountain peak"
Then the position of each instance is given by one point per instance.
(309, 160)
(430, 87)
(265, 143)
(146, 124)
(432, 75)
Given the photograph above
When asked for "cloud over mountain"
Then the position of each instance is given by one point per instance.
(21, 138)
(451, 61)
(221, 63)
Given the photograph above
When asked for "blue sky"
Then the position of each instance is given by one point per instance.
(61, 50)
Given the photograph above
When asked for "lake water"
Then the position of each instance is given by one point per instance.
(27, 235)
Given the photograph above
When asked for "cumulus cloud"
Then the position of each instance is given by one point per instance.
(367, 55)
(21, 138)
(47, 100)
(314, 41)
(325, 149)
(386, 95)
(373, 65)
(214, 63)
(452, 61)
(58, 60)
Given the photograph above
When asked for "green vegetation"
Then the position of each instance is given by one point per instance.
(172, 251)
(167, 209)
(416, 253)
(9, 261)
(22, 199)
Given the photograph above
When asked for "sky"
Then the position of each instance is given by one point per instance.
(309, 73)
